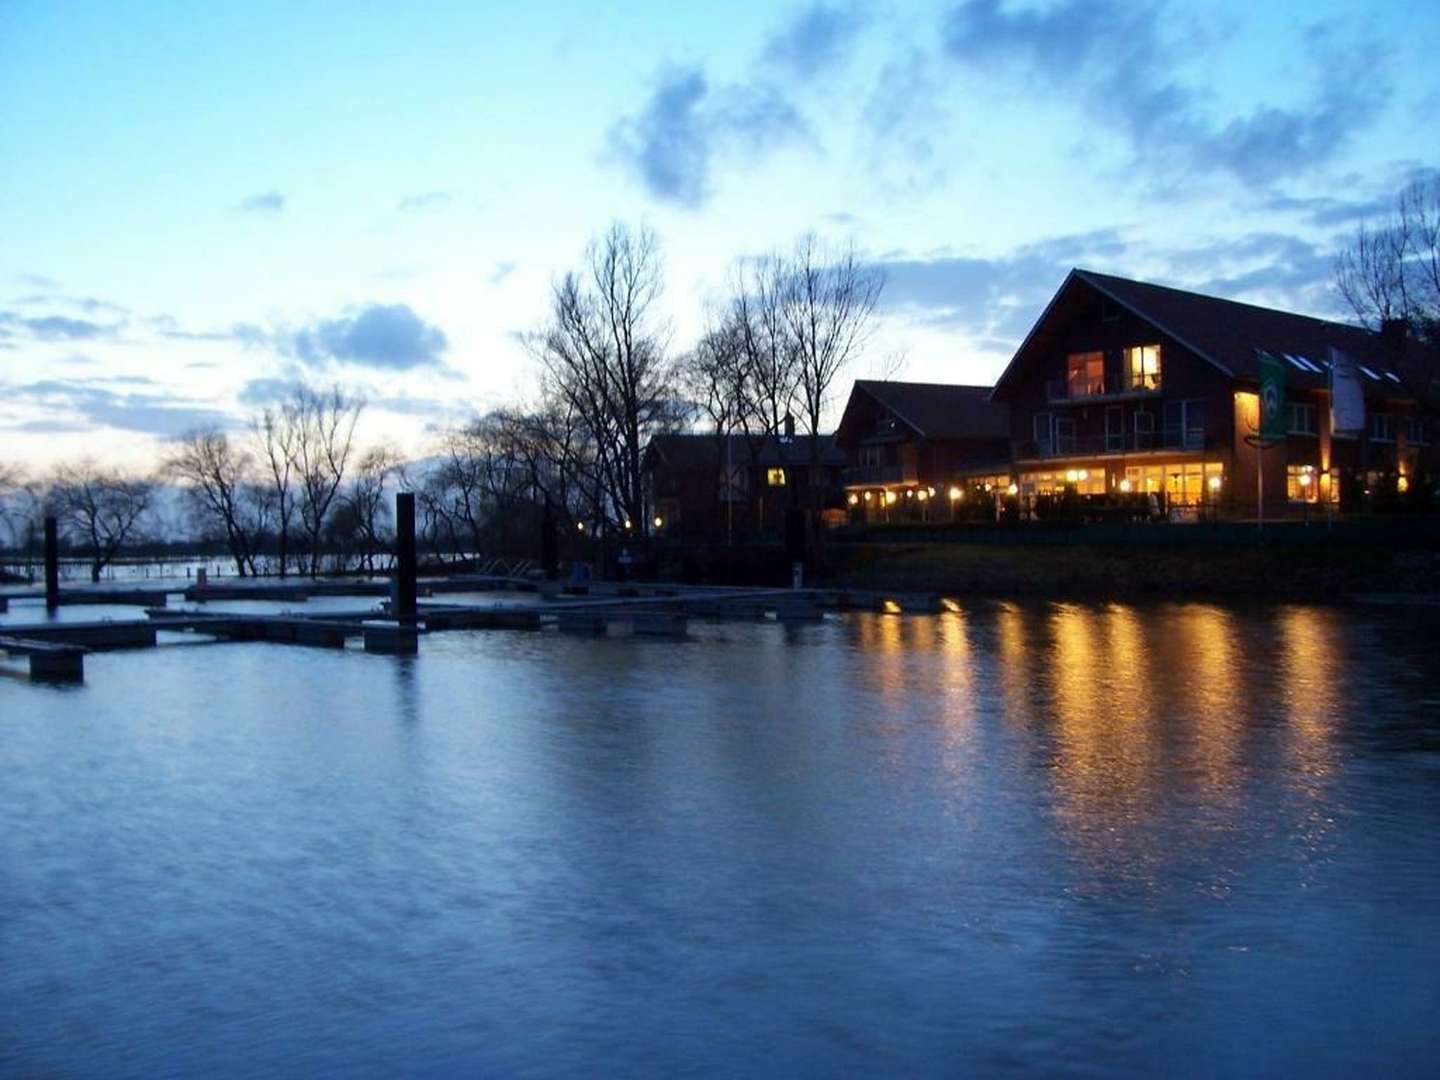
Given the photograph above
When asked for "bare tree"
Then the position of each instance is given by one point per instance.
(276, 433)
(757, 321)
(365, 499)
(1391, 271)
(829, 308)
(100, 509)
(325, 423)
(221, 481)
(604, 353)
(715, 378)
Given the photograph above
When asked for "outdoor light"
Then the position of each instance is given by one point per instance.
(890, 496)
(580, 525)
(627, 523)
(956, 493)
(924, 494)
(1305, 479)
(867, 496)
(910, 493)
(1125, 485)
(1013, 489)
(1083, 474)
(659, 522)
(1071, 476)
(853, 499)
(1402, 484)
(931, 491)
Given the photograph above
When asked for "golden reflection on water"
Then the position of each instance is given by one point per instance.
(1206, 667)
(1308, 663)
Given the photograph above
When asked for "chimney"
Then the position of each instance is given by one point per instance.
(789, 426)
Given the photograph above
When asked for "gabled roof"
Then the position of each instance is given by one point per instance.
(703, 450)
(1227, 333)
(937, 410)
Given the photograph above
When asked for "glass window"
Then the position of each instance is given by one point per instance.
(1142, 367)
(1085, 373)
(1382, 427)
(775, 477)
(1302, 418)
(1302, 484)
(1144, 431)
(1185, 424)
(1414, 430)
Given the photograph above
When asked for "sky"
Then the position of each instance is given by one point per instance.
(202, 203)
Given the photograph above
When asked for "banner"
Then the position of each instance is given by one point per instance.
(1347, 395)
(1274, 421)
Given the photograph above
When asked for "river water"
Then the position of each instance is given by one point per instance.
(1052, 839)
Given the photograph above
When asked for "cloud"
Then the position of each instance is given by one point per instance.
(380, 336)
(996, 300)
(993, 299)
(429, 200)
(669, 145)
(37, 281)
(98, 406)
(58, 327)
(264, 202)
(1114, 58)
(503, 270)
(815, 39)
(268, 390)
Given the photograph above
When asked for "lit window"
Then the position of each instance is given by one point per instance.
(775, 477)
(1142, 367)
(1302, 484)
(1085, 373)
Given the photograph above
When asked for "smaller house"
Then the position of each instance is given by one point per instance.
(923, 451)
(736, 486)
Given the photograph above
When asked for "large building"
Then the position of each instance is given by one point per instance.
(1125, 387)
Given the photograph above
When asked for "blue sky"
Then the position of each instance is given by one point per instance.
(200, 203)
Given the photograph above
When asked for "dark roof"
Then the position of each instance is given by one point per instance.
(939, 410)
(1227, 333)
(682, 451)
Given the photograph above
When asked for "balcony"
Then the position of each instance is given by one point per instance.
(1061, 392)
(1142, 442)
(877, 475)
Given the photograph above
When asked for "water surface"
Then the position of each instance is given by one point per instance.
(1011, 840)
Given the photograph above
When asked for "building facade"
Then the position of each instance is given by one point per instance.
(922, 451)
(1126, 394)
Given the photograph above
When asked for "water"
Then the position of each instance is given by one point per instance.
(1013, 840)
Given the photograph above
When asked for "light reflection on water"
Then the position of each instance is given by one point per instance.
(1007, 839)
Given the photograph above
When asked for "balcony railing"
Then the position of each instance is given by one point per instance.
(1132, 442)
(1061, 390)
(878, 474)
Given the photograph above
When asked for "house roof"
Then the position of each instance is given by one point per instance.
(936, 410)
(703, 450)
(1227, 333)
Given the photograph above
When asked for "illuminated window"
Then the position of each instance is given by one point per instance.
(1187, 484)
(1085, 373)
(775, 477)
(1142, 367)
(1302, 419)
(1302, 484)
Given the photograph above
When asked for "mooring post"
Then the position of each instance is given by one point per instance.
(52, 565)
(405, 557)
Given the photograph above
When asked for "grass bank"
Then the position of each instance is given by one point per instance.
(1309, 571)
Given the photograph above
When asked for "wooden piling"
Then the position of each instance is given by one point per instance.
(52, 564)
(405, 558)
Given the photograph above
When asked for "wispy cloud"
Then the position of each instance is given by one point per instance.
(57, 327)
(86, 405)
(1114, 58)
(429, 200)
(815, 38)
(264, 202)
(672, 141)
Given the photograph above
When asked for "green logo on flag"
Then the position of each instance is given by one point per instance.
(1273, 421)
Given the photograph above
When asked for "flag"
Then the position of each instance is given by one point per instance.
(1347, 395)
(1273, 420)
